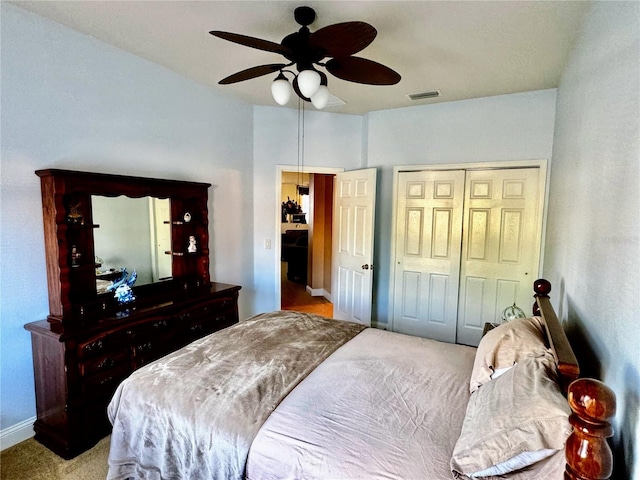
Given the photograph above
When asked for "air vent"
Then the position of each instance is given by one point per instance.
(425, 95)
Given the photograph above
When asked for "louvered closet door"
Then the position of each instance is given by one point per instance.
(500, 246)
(428, 236)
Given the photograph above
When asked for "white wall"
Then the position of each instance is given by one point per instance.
(70, 101)
(492, 129)
(593, 236)
(330, 140)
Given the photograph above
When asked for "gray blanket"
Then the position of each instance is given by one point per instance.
(194, 413)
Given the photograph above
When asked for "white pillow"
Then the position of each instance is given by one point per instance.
(498, 372)
(518, 462)
(513, 421)
(505, 345)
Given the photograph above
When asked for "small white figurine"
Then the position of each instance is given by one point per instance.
(192, 248)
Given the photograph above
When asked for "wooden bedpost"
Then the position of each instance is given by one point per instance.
(588, 455)
(587, 452)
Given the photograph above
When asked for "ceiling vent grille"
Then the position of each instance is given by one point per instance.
(425, 95)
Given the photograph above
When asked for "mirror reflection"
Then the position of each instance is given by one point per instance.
(134, 234)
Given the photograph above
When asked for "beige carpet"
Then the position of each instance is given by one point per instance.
(29, 460)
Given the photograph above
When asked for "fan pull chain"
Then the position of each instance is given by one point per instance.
(300, 139)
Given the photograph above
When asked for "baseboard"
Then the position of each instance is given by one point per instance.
(17, 433)
(318, 292)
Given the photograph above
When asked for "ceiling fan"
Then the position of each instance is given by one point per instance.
(308, 50)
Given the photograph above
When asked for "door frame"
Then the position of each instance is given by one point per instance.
(277, 244)
(543, 185)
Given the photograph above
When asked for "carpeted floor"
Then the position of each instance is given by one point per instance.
(29, 460)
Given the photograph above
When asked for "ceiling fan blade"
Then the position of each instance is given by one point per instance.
(342, 39)
(252, 72)
(361, 70)
(252, 42)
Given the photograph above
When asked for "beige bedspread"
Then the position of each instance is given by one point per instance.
(194, 413)
(383, 406)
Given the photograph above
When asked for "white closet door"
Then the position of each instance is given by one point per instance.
(500, 246)
(428, 236)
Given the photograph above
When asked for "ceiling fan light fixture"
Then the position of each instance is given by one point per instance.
(281, 90)
(305, 49)
(308, 82)
(321, 97)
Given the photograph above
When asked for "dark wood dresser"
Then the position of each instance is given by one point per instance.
(77, 372)
(93, 339)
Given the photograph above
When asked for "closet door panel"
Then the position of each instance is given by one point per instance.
(428, 236)
(500, 246)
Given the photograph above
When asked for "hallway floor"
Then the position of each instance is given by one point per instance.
(295, 297)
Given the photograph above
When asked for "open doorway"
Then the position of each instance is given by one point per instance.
(305, 246)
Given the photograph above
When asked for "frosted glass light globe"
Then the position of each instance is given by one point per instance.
(308, 82)
(321, 97)
(281, 91)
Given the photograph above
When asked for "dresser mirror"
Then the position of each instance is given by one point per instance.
(134, 235)
(96, 225)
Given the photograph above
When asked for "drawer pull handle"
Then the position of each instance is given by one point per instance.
(160, 324)
(106, 380)
(106, 363)
(196, 328)
(144, 346)
(98, 345)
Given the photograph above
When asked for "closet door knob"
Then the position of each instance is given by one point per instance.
(365, 266)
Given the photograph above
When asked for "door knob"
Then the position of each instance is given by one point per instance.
(365, 266)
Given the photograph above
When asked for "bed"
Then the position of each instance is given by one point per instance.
(294, 395)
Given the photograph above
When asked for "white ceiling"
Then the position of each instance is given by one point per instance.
(464, 49)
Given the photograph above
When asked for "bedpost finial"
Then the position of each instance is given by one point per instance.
(587, 452)
(592, 400)
(542, 287)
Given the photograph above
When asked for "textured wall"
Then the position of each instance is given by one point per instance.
(593, 230)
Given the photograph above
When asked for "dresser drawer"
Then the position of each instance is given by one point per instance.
(206, 310)
(105, 363)
(152, 347)
(102, 344)
(149, 328)
(104, 384)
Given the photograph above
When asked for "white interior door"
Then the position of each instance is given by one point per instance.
(428, 236)
(353, 222)
(500, 246)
